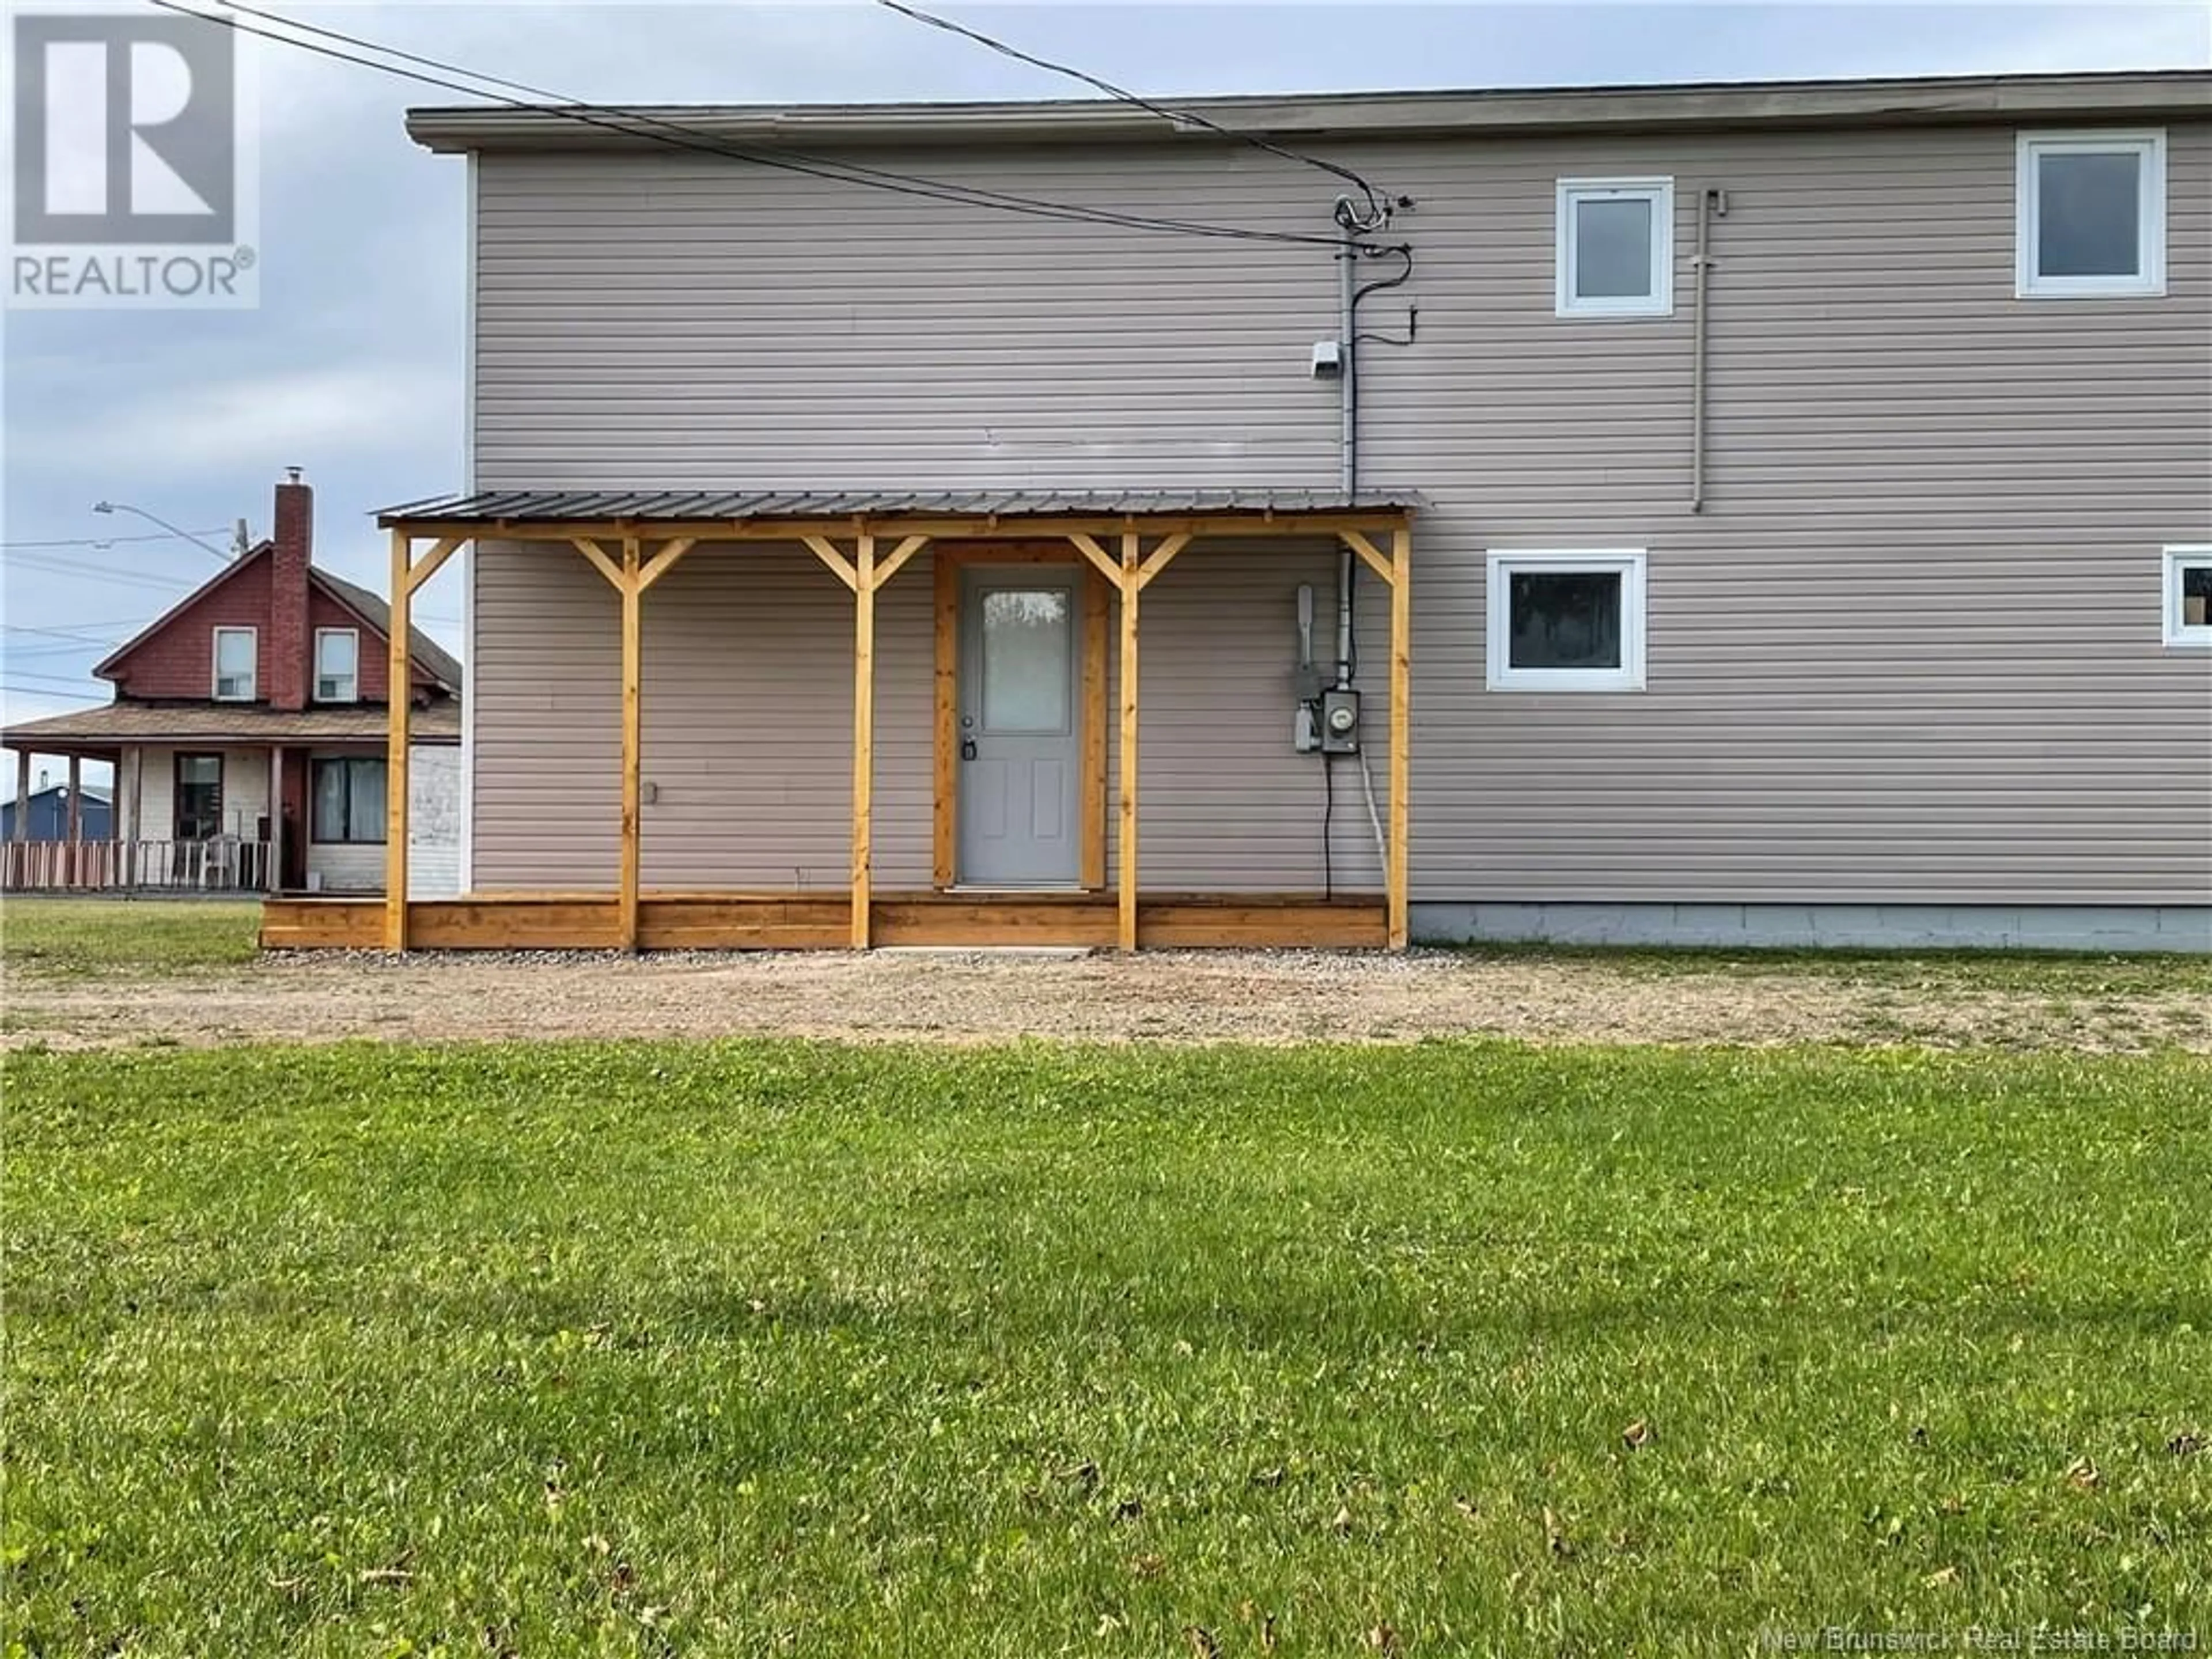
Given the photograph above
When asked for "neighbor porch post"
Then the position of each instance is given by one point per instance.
(273, 877)
(864, 733)
(1127, 932)
(1401, 727)
(75, 820)
(22, 794)
(399, 684)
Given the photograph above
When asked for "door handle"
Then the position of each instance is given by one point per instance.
(967, 748)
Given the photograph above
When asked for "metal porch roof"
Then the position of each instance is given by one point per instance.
(555, 505)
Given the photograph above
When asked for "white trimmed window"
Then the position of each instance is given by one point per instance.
(1566, 620)
(1616, 247)
(235, 649)
(337, 664)
(2090, 211)
(2189, 595)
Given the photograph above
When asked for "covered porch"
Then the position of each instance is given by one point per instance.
(1109, 550)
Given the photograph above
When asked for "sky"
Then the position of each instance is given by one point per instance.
(351, 365)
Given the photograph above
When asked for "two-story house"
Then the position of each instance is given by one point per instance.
(1740, 514)
(247, 736)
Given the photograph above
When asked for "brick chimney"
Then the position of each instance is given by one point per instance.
(288, 653)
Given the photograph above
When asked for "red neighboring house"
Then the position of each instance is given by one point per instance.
(247, 734)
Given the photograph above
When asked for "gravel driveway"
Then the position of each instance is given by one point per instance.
(1195, 996)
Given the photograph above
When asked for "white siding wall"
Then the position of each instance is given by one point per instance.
(433, 812)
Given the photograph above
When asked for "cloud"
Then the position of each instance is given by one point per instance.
(360, 407)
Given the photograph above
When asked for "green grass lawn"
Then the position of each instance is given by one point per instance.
(77, 938)
(759, 1348)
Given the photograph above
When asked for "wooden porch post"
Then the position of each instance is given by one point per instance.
(398, 688)
(1127, 930)
(632, 734)
(864, 732)
(1401, 726)
(22, 794)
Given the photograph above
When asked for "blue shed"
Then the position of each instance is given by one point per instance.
(49, 815)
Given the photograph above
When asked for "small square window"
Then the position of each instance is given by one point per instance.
(349, 801)
(1615, 256)
(2091, 212)
(2189, 595)
(337, 664)
(235, 649)
(1566, 620)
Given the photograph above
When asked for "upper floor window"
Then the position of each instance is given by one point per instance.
(2091, 208)
(1566, 620)
(2189, 595)
(1616, 247)
(337, 664)
(235, 649)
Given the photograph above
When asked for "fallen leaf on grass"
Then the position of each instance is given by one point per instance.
(1467, 1508)
(1382, 1639)
(1342, 1525)
(2083, 1472)
(1637, 1435)
(1269, 1477)
(1148, 1567)
(1941, 1577)
(1202, 1642)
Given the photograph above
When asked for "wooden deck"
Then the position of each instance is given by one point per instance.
(823, 921)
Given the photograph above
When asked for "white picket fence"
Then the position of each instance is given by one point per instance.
(227, 864)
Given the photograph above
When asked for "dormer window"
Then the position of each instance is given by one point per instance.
(337, 664)
(235, 650)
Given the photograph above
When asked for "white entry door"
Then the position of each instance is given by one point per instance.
(1020, 727)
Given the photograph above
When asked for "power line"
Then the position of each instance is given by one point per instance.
(48, 692)
(636, 124)
(1377, 210)
(111, 541)
(77, 568)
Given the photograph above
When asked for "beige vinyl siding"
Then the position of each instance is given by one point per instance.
(1909, 652)
(746, 706)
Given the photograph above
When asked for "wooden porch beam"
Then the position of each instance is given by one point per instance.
(863, 731)
(398, 699)
(1127, 924)
(1370, 555)
(664, 561)
(1088, 546)
(598, 554)
(899, 556)
(840, 566)
(1401, 729)
(1161, 557)
(632, 588)
(421, 570)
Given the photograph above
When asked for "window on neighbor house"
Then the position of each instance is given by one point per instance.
(337, 664)
(348, 799)
(199, 797)
(1615, 256)
(235, 649)
(1566, 620)
(2189, 595)
(2091, 210)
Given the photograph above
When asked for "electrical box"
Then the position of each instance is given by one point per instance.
(1340, 721)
